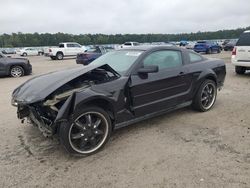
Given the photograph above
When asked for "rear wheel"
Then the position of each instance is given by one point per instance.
(219, 50)
(240, 70)
(16, 71)
(87, 132)
(59, 56)
(25, 54)
(206, 96)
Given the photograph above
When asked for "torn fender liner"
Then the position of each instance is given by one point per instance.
(38, 88)
(77, 98)
(66, 109)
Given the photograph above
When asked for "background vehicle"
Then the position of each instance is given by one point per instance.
(9, 51)
(190, 45)
(207, 47)
(230, 45)
(90, 55)
(241, 53)
(119, 88)
(14, 67)
(129, 44)
(65, 49)
(27, 51)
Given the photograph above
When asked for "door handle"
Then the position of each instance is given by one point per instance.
(181, 73)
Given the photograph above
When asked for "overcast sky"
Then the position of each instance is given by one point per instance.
(122, 16)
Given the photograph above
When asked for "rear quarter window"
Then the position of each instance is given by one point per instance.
(244, 40)
(193, 58)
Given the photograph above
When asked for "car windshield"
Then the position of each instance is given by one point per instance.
(120, 61)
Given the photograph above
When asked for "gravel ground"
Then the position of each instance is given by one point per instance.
(180, 149)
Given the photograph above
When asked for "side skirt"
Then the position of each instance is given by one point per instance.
(154, 114)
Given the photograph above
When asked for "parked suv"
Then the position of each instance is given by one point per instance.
(241, 53)
(207, 47)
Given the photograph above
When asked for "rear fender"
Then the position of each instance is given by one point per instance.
(208, 74)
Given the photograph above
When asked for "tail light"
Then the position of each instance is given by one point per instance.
(50, 50)
(234, 51)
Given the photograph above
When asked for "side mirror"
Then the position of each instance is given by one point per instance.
(148, 69)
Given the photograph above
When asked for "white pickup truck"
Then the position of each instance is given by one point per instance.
(65, 49)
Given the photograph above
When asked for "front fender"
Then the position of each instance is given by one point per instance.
(76, 100)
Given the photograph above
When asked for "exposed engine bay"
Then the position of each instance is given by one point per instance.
(43, 114)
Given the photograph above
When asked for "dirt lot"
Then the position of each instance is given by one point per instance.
(181, 149)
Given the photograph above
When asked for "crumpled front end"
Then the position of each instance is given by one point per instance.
(43, 113)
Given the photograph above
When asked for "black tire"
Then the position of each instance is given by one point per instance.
(16, 71)
(204, 100)
(84, 136)
(59, 56)
(53, 57)
(219, 51)
(25, 54)
(240, 70)
(209, 51)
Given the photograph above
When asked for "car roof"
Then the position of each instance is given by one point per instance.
(151, 47)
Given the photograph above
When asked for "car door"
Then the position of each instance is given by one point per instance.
(27, 51)
(78, 49)
(2, 64)
(162, 90)
(70, 50)
(33, 51)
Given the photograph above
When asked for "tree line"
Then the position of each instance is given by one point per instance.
(47, 39)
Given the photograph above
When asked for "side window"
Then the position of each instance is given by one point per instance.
(127, 44)
(164, 59)
(70, 45)
(61, 45)
(77, 46)
(194, 57)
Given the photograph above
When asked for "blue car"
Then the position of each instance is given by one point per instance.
(90, 55)
(207, 47)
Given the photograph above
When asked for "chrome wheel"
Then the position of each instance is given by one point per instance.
(88, 132)
(208, 96)
(16, 71)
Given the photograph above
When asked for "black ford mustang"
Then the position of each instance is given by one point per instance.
(85, 104)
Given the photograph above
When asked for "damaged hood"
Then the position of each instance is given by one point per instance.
(38, 88)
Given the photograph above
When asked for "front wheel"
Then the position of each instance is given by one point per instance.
(16, 71)
(206, 96)
(87, 132)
